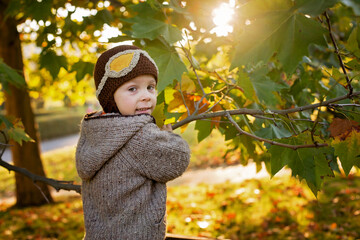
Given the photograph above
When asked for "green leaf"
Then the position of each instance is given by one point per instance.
(18, 134)
(103, 16)
(145, 10)
(71, 26)
(52, 62)
(301, 90)
(97, 21)
(245, 83)
(10, 75)
(82, 68)
(273, 132)
(6, 121)
(306, 163)
(354, 4)
(353, 42)
(284, 32)
(338, 76)
(279, 158)
(204, 129)
(120, 39)
(314, 7)
(38, 10)
(348, 151)
(336, 90)
(229, 131)
(353, 65)
(264, 87)
(248, 147)
(151, 29)
(170, 65)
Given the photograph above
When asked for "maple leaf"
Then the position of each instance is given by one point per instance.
(18, 134)
(82, 68)
(170, 65)
(342, 127)
(306, 163)
(52, 62)
(10, 75)
(348, 150)
(280, 30)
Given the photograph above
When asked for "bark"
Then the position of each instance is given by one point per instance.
(17, 103)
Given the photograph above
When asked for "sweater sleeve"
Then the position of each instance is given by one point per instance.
(158, 155)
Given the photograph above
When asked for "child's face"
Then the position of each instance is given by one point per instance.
(137, 96)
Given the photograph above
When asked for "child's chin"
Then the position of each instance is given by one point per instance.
(143, 112)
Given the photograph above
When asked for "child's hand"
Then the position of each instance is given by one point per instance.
(167, 127)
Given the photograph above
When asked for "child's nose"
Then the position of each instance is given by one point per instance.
(145, 95)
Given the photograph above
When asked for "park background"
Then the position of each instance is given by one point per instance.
(245, 61)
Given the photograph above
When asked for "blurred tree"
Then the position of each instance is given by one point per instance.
(26, 155)
(279, 79)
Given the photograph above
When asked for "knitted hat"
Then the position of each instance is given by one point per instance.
(117, 66)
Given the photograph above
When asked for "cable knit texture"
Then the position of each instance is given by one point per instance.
(124, 163)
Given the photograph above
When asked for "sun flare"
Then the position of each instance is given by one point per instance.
(222, 17)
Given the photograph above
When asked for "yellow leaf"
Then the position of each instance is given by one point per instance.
(159, 115)
(187, 85)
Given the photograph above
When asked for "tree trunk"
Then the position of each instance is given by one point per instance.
(17, 104)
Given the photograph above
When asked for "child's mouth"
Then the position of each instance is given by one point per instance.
(143, 110)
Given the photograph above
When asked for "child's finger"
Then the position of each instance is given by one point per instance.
(167, 127)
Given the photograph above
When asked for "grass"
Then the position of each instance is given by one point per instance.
(280, 208)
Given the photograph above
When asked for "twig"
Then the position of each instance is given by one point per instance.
(6, 143)
(210, 108)
(197, 104)
(232, 85)
(294, 147)
(291, 125)
(36, 178)
(349, 86)
(222, 97)
(344, 105)
(42, 193)
(183, 98)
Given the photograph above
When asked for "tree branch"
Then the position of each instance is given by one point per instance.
(65, 185)
(220, 78)
(253, 112)
(344, 105)
(349, 86)
(294, 147)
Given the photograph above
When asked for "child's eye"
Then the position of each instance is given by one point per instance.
(132, 89)
(151, 87)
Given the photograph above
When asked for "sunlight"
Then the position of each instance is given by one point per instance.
(109, 32)
(222, 16)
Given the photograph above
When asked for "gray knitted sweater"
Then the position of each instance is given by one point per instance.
(124, 163)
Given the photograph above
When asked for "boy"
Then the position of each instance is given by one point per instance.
(122, 157)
